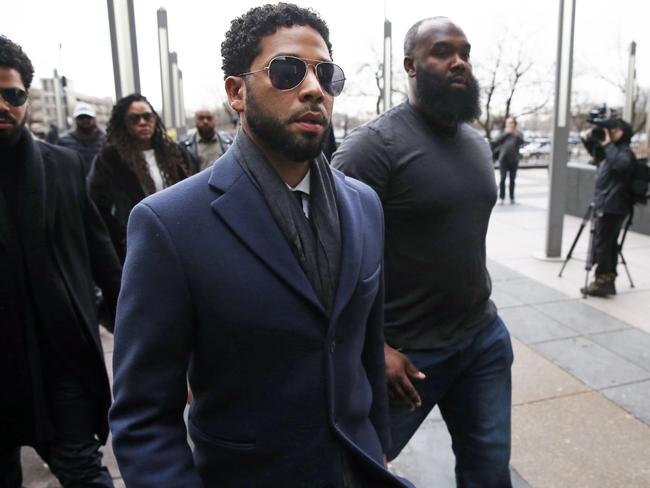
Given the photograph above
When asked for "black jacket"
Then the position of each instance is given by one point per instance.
(115, 189)
(190, 145)
(612, 195)
(88, 148)
(67, 250)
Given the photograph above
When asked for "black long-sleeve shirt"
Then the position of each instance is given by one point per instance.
(437, 189)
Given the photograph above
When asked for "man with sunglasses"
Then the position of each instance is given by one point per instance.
(53, 246)
(445, 344)
(263, 276)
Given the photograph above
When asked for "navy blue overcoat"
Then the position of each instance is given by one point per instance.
(212, 293)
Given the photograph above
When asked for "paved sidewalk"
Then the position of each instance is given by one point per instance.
(581, 378)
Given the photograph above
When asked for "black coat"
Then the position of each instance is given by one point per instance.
(88, 148)
(115, 189)
(67, 250)
(612, 195)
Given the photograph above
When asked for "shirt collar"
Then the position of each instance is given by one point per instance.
(304, 185)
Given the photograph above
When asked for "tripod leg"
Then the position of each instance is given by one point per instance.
(584, 289)
(627, 270)
(585, 219)
(620, 247)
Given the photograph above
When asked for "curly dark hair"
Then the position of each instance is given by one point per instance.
(168, 154)
(13, 56)
(242, 43)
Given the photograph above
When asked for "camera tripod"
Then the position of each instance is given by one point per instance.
(589, 261)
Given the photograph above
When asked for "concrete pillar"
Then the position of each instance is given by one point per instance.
(165, 70)
(124, 46)
(561, 127)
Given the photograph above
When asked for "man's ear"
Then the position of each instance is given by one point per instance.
(409, 66)
(236, 91)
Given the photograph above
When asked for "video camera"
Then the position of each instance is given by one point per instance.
(601, 118)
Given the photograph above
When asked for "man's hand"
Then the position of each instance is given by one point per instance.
(607, 139)
(399, 372)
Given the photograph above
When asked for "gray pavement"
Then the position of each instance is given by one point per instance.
(581, 377)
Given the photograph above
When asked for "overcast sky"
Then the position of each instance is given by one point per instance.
(604, 30)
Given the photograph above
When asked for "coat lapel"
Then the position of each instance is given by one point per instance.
(244, 210)
(38, 200)
(352, 237)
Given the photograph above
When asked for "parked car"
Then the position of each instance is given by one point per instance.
(536, 149)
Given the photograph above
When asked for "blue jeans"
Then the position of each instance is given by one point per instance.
(471, 383)
(507, 169)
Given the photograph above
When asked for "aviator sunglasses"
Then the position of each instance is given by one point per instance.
(287, 72)
(135, 118)
(14, 96)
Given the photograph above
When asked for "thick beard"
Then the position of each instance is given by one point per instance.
(86, 131)
(276, 135)
(442, 104)
(206, 133)
(10, 136)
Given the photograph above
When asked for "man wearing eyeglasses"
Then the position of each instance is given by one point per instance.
(445, 344)
(53, 245)
(260, 281)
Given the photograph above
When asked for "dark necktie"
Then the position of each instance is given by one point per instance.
(298, 196)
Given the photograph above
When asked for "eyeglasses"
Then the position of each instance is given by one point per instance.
(14, 96)
(135, 118)
(287, 72)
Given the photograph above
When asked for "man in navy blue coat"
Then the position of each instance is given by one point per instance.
(260, 282)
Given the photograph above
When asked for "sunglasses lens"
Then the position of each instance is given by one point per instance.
(331, 78)
(135, 118)
(286, 72)
(14, 96)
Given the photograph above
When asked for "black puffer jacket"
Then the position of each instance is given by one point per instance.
(612, 195)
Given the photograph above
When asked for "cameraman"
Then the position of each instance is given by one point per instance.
(612, 203)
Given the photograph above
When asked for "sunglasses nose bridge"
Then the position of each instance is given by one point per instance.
(311, 79)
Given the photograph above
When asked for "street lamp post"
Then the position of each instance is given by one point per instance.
(121, 21)
(173, 63)
(628, 109)
(388, 62)
(561, 127)
(165, 70)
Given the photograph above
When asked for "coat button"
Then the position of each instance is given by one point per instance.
(332, 346)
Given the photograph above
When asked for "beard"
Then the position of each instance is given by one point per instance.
(276, 135)
(206, 132)
(9, 136)
(443, 104)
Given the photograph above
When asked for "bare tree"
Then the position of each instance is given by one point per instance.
(489, 90)
(502, 79)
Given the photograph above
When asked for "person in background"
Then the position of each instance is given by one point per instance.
(612, 203)
(87, 139)
(53, 246)
(507, 147)
(139, 160)
(205, 146)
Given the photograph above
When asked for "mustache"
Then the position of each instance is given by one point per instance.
(314, 109)
(5, 116)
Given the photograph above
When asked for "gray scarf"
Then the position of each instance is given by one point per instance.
(316, 242)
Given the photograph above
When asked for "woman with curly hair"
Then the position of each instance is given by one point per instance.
(138, 160)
